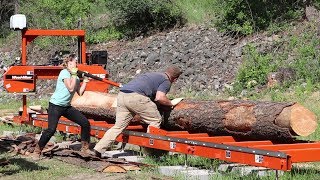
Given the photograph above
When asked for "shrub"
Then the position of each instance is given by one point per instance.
(134, 17)
(299, 51)
(254, 69)
(66, 14)
(6, 10)
(243, 17)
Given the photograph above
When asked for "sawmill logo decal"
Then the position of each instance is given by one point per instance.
(23, 77)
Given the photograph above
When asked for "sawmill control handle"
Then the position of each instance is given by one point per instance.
(83, 73)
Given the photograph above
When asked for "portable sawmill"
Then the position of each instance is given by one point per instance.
(22, 80)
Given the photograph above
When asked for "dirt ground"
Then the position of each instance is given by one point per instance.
(92, 175)
(115, 176)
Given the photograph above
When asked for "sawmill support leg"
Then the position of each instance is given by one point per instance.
(185, 160)
(123, 145)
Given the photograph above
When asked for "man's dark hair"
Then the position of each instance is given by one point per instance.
(174, 71)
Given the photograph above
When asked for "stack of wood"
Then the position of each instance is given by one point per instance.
(67, 151)
(245, 120)
(21, 144)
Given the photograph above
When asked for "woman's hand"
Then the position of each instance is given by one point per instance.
(73, 72)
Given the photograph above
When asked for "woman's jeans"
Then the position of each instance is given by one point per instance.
(54, 114)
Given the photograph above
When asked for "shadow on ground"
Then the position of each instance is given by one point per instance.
(20, 165)
(305, 170)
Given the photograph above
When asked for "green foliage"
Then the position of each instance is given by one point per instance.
(197, 12)
(102, 35)
(6, 10)
(308, 61)
(299, 51)
(243, 17)
(68, 14)
(134, 17)
(254, 69)
(55, 13)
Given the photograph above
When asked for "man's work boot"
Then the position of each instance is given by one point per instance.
(36, 155)
(85, 149)
(97, 154)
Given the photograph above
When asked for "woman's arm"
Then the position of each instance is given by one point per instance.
(70, 83)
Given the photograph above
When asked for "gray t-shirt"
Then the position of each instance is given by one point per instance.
(148, 84)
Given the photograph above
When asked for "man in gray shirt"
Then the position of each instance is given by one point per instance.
(138, 97)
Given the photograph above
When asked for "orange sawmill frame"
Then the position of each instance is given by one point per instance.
(256, 153)
(22, 79)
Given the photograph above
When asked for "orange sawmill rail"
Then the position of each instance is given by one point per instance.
(226, 148)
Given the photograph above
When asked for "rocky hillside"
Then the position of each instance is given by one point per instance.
(208, 58)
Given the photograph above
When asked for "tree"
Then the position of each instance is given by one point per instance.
(7, 9)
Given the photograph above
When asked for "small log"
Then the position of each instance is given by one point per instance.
(114, 169)
(131, 167)
(252, 120)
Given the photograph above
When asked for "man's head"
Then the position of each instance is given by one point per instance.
(173, 72)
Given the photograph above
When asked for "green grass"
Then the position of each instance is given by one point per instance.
(179, 159)
(21, 168)
(13, 105)
(305, 171)
(17, 129)
(197, 12)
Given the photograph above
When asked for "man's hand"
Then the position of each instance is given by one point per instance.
(176, 101)
(73, 72)
(114, 104)
(85, 78)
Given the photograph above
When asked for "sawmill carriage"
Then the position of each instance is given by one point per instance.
(188, 140)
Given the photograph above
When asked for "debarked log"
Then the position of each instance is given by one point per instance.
(254, 120)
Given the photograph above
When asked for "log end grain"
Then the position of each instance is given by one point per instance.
(303, 121)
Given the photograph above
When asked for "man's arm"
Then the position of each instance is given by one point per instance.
(162, 98)
(82, 88)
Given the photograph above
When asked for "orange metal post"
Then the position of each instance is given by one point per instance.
(24, 49)
(83, 50)
(24, 62)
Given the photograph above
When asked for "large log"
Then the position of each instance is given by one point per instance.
(252, 120)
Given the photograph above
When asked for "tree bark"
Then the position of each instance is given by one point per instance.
(251, 120)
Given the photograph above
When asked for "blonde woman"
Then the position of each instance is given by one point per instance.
(60, 105)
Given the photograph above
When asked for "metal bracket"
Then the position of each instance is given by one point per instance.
(228, 154)
(172, 145)
(258, 158)
(151, 142)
